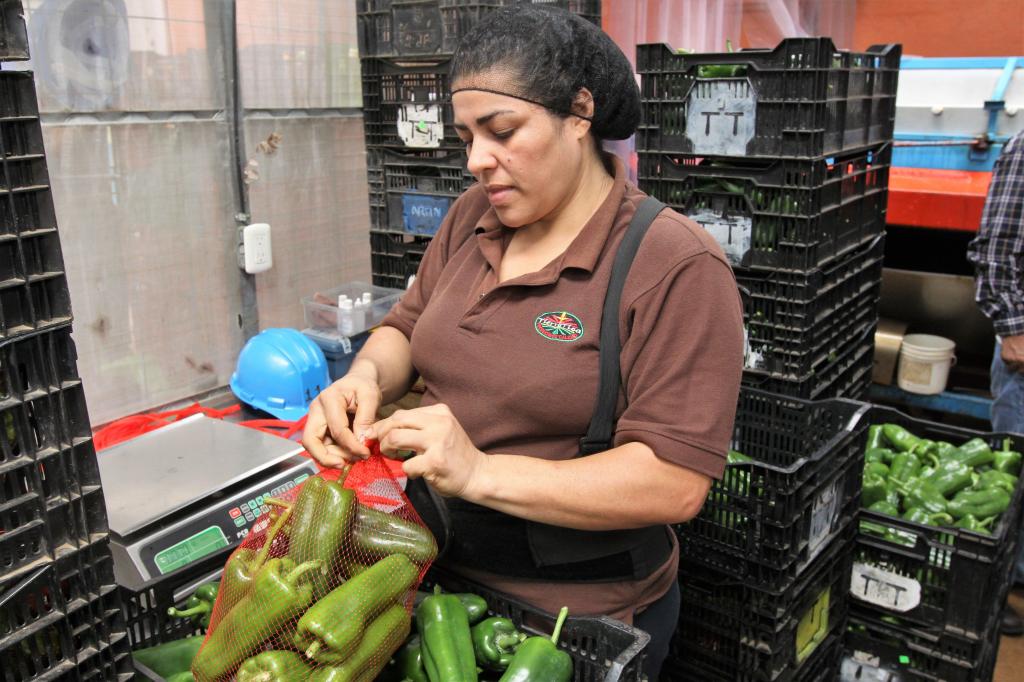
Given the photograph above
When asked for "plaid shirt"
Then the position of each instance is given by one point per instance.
(998, 250)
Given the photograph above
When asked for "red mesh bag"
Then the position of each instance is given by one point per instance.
(322, 588)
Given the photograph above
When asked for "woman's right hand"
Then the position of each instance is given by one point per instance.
(329, 437)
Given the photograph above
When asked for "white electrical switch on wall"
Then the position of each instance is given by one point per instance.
(256, 245)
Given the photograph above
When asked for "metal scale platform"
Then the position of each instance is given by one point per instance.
(191, 489)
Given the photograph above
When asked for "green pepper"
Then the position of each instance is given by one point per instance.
(407, 664)
(905, 466)
(321, 522)
(1007, 460)
(950, 477)
(926, 449)
(979, 503)
(280, 591)
(877, 469)
(876, 439)
(972, 523)
(243, 565)
(902, 439)
(199, 606)
(273, 666)
(885, 507)
(185, 676)
(873, 490)
(495, 642)
(380, 534)
(997, 479)
(330, 631)
(383, 636)
(447, 641)
(974, 453)
(945, 450)
(883, 455)
(170, 658)
(919, 515)
(539, 658)
(920, 493)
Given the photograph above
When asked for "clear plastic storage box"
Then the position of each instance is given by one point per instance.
(349, 309)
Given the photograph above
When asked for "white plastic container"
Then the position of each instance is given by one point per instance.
(324, 315)
(924, 363)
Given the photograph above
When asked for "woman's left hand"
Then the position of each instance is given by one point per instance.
(445, 456)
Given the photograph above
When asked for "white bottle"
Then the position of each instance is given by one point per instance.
(345, 317)
(358, 316)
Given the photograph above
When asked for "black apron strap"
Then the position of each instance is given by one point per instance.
(602, 423)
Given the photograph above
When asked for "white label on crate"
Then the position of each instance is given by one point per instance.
(346, 345)
(823, 519)
(884, 588)
(866, 658)
(420, 125)
(731, 232)
(753, 356)
(720, 116)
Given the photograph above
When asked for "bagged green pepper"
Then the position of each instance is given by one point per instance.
(322, 519)
(383, 636)
(273, 666)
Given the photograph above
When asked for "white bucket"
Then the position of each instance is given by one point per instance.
(924, 363)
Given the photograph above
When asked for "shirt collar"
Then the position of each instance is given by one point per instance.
(584, 250)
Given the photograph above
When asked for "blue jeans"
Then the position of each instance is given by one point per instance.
(1008, 416)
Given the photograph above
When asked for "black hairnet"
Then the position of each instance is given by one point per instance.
(546, 55)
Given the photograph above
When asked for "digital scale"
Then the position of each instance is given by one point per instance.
(191, 489)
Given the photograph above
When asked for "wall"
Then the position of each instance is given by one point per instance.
(943, 28)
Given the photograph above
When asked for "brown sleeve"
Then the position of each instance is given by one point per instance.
(682, 364)
(404, 314)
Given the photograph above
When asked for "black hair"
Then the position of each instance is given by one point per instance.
(548, 55)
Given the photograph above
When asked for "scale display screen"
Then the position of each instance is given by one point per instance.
(222, 526)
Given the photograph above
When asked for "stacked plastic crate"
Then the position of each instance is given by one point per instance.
(783, 155)
(60, 610)
(927, 600)
(416, 165)
(765, 567)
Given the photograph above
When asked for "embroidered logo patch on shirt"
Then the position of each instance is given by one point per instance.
(559, 326)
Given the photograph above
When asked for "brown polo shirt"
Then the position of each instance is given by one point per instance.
(517, 361)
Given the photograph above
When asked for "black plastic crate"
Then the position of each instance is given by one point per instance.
(405, 28)
(417, 189)
(821, 666)
(797, 322)
(731, 631)
(13, 34)
(915, 654)
(602, 649)
(406, 105)
(766, 521)
(961, 575)
(802, 99)
(791, 214)
(394, 257)
(848, 375)
(62, 620)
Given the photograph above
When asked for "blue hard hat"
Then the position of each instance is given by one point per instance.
(280, 371)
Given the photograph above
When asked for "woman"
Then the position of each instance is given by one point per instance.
(502, 324)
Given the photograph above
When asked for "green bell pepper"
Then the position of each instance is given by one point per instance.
(883, 455)
(876, 439)
(199, 606)
(280, 591)
(876, 468)
(407, 663)
(495, 642)
(539, 658)
(447, 640)
(900, 438)
(975, 453)
(1007, 460)
(379, 534)
(905, 466)
(997, 479)
(243, 565)
(885, 507)
(944, 450)
(950, 477)
(170, 658)
(383, 636)
(873, 490)
(919, 515)
(273, 666)
(322, 519)
(979, 503)
(330, 631)
(922, 494)
(972, 523)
